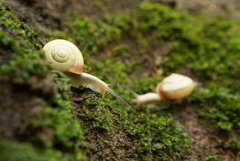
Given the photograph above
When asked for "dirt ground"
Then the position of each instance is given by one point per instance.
(41, 14)
(204, 141)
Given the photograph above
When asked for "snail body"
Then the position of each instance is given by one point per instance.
(172, 88)
(93, 83)
(64, 56)
(148, 98)
(89, 80)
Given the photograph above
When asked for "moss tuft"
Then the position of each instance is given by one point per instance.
(156, 137)
(216, 106)
(26, 60)
(12, 151)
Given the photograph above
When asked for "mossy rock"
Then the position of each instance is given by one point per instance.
(50, 119)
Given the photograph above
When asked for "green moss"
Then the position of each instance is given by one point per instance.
(215, 52)
(99, 5)
(58, 117)
(124, 22)
(216, 106)
(56, 34)
(111, 70)
(54, 132)
(7, 14)
(211, 158)
(26, 59)
(92, 37)
(220, 111)
(212, 42)
(12, 151)
(156, 137)
(121, 50)
(97, 113)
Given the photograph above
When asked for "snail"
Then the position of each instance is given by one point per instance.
(172, 88)
(64, 56)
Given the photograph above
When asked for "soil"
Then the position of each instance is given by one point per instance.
(204, 141)
(41, 14)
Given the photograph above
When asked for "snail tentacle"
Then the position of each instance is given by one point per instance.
(118, 97)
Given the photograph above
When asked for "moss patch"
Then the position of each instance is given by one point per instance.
(40, 111)
(12, 150)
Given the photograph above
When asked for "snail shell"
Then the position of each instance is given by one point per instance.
(64, 56)
(175, 87)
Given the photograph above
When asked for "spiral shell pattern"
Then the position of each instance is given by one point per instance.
(175, 87)
(64, 56)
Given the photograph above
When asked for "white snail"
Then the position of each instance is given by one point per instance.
(64, 56)
(172, 88)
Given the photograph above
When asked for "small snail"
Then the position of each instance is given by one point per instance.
(64, 56)
(172, 88)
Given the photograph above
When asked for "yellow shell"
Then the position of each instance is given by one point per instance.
(64, 56)
(175, 87)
